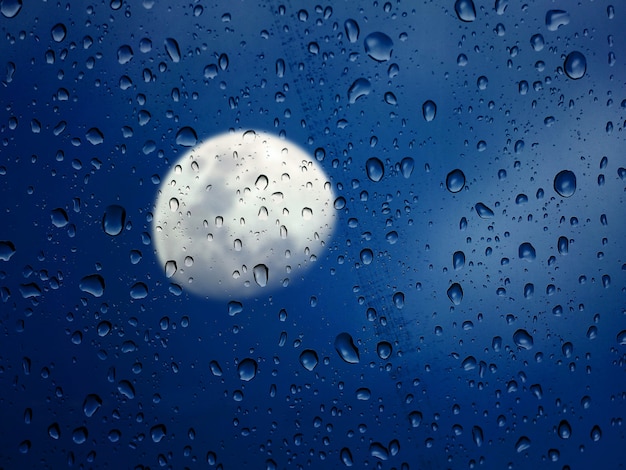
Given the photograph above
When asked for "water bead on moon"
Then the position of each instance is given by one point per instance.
(241, 214)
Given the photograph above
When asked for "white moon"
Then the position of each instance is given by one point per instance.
(241, 214)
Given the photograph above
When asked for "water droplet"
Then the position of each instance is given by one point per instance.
(124, 54)
(458, 260)
(261, 274)
(363, 394)
(384, 349)
(563, 245)
(522, 444)
(309, 359)
(621, 338)
(186, 137)
(54, 431)
(138, 291)
(345, 347)
(352, 30)
(158, 432)
(465, 10)
(415, 418)
(79, 435)
(482, 83)
(477, 435)
(234, 308)
(596, 433)
(406, 167)
(7, 249)
(564, 430)
(10, 8)
(223, 62)
(469, 363)
(378, 46)
(58, 32)
(455, 293)
(172, 49)
(527, 251)
(91, 404)
(114, 220)
(59, 218)
(346, 457)
(375, 169)
(366, 256)
(94, 136)
(360, 87)
(537, 42)
(556, 18)
(565, 183)
(575, 65)
(92, 284)
(483, 211)
(398, 300)
(247, 369)
(523, 339)
(390, 98)
(429, 110)
(455, 181)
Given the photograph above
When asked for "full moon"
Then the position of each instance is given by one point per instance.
(241, 214)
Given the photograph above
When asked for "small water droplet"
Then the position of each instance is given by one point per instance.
(360, 87)
(158, 432)
(458, 260)
(522, 444)
(346, 457)
(537, 42)
(91, 404)
(564, 430)
(384, 350)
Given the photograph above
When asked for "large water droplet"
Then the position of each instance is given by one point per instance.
(406, 166)
(565, 183)
(522, 444)
(565, 430)
(523, 339)
(186, 137)
(58, 32)
(375, 169)
(247, 369)
(477, 435)
(458, 260)
(124, 54)
(94, 136)
(347, 350)
(158, 432)
(59, 217)
(7, 249)
(527, 251)
(172, 49)
(261, 274)
(483, 211)
(575, 65)
(92, 284)
(415, 418)
(346, 457)
(309, 359)
(114, 220)
(537, 42)
(384, 349)
(378, 46)
(621, 338)
(352, 30)
(91, 404)
(360, 87)
(10, 8)
(429, 110)
(455, 181)
(556, 18)
(563, 245)
(455, 293)
(465, 10)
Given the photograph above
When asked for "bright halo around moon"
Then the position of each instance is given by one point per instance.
(242, 214)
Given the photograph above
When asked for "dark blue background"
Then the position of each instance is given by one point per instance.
(445, 362)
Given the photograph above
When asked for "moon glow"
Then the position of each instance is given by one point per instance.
(240, 214)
